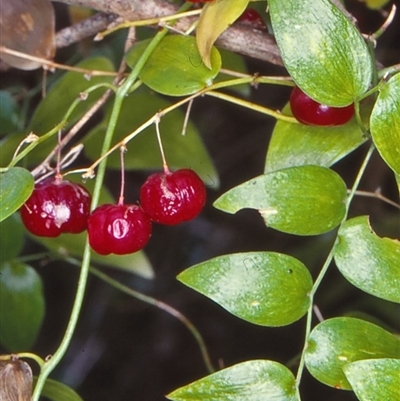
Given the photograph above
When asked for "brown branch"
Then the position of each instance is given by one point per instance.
(240, 39)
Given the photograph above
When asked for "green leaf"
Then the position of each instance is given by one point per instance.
(21, 306)
(57, 391)
(143, 151)
(299, 144)
(73, 245)
(322, 50)
(374, 379)
(175, 67)
(284, 199)
(16, 185)
(385, 123)
(264, 288)
(335, 343)
(215, 18)
(367, 261)
(11, 239)
(8, 113)
(247, 381)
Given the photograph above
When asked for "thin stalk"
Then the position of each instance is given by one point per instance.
(253, 106)
(161, 305)
(327, 263)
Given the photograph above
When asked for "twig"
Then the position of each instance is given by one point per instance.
(378, 195)
(239, 39)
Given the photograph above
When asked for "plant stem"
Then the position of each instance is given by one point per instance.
(161, 305)
(121, 92)
(327, 263)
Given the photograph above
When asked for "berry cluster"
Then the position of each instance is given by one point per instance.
(310, 112)
(58, 206)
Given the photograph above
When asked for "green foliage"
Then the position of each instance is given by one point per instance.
(12, 238)
(21, 306)
(336, 343)
(322, 51)
(16, 185)
(377, 259)
(264, 288)
(385, 123)
(8, 113)
(251, 381)
(175, 68)
(364, 377)
(283, 199)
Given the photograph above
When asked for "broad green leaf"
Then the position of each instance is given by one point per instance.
(304, 200)
(175, 68)
(8, 113)
(369, 262)
(264, 288)
(257, 380)
(16, 185)
(215, 18)
(57, 391)
(73, 244)
(336, 342)
(21, 306)
(374, 379)
(299, 144)
(385, 123)
(11, 239)
(322, 50)
(143, 151)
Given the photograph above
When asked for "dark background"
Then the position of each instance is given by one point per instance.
(124, 349)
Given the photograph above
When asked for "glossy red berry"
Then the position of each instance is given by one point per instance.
(119, 229)
(252, 18)
(173, 197)
(55, 207)
(310, 112)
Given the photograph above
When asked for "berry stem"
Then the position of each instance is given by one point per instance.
(122, 190)
(165, 165)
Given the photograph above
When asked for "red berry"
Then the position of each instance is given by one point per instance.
(55, 207)
(310, 112)
(174, 197)
(119, 229)
(252, 18)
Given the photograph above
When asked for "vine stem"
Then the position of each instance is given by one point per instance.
(120, 94)
(327, 263)
(161, 305)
